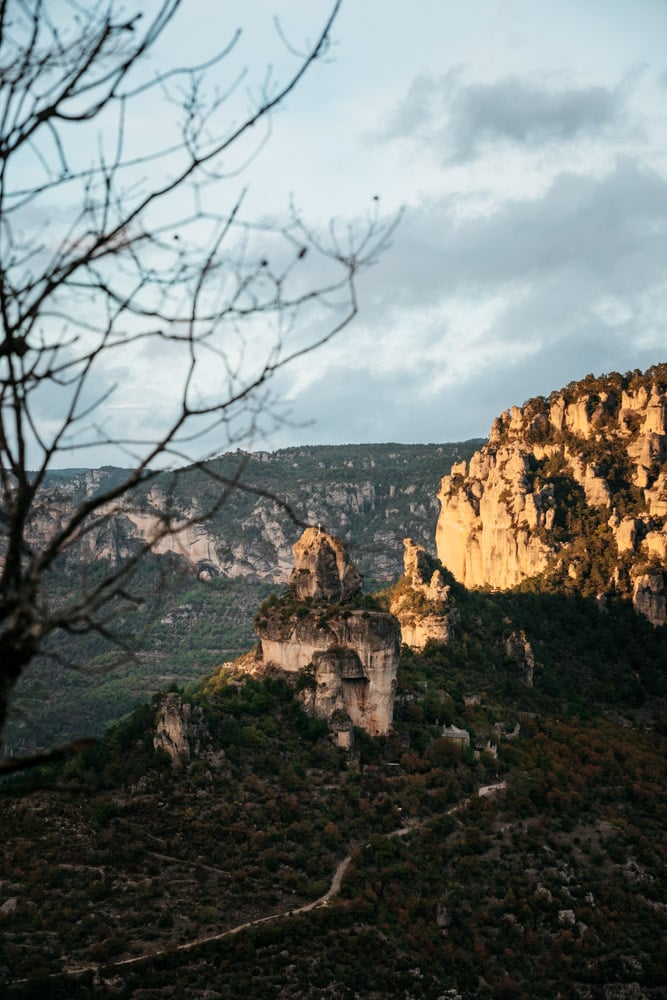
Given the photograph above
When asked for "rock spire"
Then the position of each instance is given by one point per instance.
(347, 655)
(323, 570)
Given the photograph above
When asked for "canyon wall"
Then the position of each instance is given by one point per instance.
(344, 658)
(575, 486)
(370, 496)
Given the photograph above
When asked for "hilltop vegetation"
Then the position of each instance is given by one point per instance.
(185, 625)
(551, 884)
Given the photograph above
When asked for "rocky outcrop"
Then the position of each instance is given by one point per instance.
(649, 597)
(343, 658)
(359, 679)
(486, 533)
(417, 630)
(520, 652)
(421, 575)
(590, 459)
(323, 570)
(420, 601)
(656, 496)
(179, 728)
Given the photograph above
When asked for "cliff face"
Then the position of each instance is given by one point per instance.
(485, 533)
(354, 658)
(179, 728)
(369, 495)
(420, 601)
(347, 657)
(573, 486)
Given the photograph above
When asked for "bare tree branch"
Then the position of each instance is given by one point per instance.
(106, 254)
(11, 765)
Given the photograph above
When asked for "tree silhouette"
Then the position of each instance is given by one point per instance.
(116, 254)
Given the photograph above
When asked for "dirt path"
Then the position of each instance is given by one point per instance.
(189, 864)
(332, 891)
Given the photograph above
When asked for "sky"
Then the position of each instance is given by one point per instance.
(524, 144)
(527, 142)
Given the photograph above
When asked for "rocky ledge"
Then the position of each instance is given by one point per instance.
(420, 600)
(342, 653)
(573, 486)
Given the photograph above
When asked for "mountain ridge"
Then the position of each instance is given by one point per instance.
(198, 600)
(194, 849)
(571, 488)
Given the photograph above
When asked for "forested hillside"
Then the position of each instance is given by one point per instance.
(503, 836)
(528, 862)
(192, 618)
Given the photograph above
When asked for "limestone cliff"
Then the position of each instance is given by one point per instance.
(372, 494)
(420, 599)
(179, 728)
(573, 486)
(343, 657)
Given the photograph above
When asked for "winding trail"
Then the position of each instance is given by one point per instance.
(332, 891)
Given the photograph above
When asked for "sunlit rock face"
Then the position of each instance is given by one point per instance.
(567, 485)
(349, 655)
(421, 604)
(323, 570)
(421, 575)
(485, 533)
(416, 632)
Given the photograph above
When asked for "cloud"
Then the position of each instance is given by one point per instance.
(349, 403)
(603, 234)
(454, 401)
(460, 120)
(466, 316)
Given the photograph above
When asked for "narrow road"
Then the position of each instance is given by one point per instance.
(333, 890)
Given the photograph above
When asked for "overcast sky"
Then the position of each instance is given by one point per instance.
(525, 141)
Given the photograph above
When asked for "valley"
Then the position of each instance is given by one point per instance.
(483, 819)
(187, 621)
